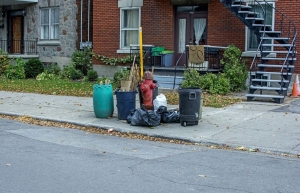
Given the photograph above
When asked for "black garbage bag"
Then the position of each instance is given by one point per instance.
(144, 117)
(170, 117)
(129, 117)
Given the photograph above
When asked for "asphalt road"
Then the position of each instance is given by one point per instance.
(37, 159)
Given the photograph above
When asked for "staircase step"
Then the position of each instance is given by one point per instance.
(266, 80)
(255, 18)
(267, 88)
(261, 25)
(276, 52)
(264, 96)
(268, 58)
(241, 5)
(278, 45)
(279, 73)
(274, 66)
(275, 38)
(271, 32)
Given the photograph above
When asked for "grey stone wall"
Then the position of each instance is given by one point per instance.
(54, 51)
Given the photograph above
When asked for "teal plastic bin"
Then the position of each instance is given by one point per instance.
(167, 58)
(103, 100)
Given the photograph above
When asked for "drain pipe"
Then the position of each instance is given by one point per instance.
(81, 22)
(89, 20)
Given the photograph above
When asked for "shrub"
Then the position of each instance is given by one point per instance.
(53, 68)
(92, 75)
(4, 61)
(82, 60)
(47, 76)
(234, 68)
(191, 79)
(33, 67)
(215, 84)
(69, 72)
(123, 74)
(16, 71)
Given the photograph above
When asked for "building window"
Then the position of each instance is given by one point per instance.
(50, 23)
(130, 22)
(251, 40)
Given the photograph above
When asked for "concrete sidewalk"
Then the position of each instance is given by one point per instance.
(268, 127)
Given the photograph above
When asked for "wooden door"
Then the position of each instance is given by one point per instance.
(16, 34)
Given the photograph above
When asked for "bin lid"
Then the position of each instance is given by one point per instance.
(167, 52)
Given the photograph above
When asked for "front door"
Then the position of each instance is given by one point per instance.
(16, 34)
(190, 29)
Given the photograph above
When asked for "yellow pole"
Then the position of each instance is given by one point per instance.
(141, 53)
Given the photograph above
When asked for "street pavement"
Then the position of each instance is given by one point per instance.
(264, 126)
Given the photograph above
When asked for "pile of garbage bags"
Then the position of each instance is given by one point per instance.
(152, 118)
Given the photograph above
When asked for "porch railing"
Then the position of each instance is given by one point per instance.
(212, 57)
(27, 46)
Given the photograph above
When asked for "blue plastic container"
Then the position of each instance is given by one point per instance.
(125, 103)
(103, 100)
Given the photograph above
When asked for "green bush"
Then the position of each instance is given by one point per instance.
(92, 75)
(191, 79)
(235, 68)
(4, 61)
(69, 72)
(212, 83)
(82, 60)
(53, 68)
(215, 84)
(123, 74)
(16, 71)
(47, 76)
(33, 67)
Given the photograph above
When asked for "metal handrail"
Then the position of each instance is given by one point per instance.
(290, 32)
(27, 46)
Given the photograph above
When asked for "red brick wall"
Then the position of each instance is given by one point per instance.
(223, 28)
(291, 9)
(157, 24)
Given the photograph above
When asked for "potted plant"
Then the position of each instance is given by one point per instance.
(121, 79)
(126, 93)
(190, 98)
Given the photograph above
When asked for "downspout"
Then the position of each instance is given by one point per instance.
(88, 20)
(81, 22)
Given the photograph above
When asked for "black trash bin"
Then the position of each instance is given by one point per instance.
(125, 103)
(189, 105)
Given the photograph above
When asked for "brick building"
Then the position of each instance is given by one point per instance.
(170, 23)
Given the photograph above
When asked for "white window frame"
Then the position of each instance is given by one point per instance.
(50, 24)
(126, 49)
(247, 31)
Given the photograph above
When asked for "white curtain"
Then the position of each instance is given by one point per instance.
(132, 22)
(182, 35)
(199, 27)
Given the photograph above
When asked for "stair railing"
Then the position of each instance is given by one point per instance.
(260, 47)
(291, 33)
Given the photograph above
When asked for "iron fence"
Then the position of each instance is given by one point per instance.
(19, 46)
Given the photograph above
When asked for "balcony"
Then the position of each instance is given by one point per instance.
(16, 2)
(13, 47)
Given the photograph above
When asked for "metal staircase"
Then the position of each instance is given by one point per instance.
(275, 55)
